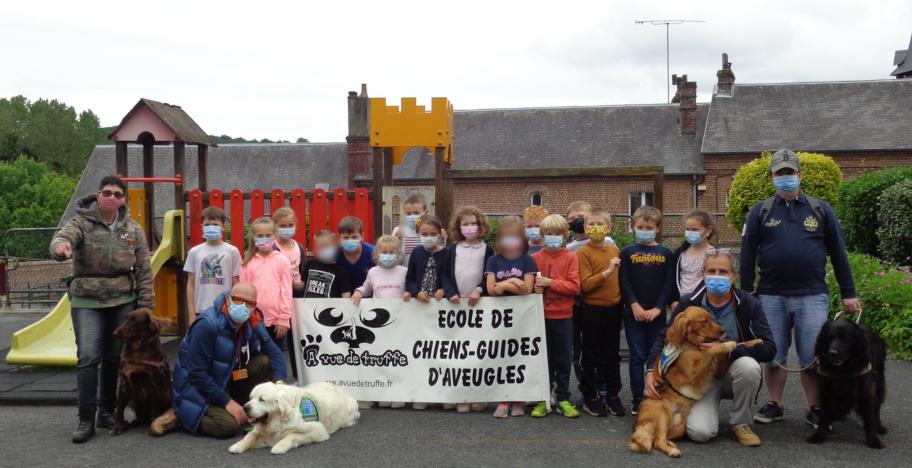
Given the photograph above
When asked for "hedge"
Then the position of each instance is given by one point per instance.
(859, 201)
(885, 293)
(752, 183)
(894, 219)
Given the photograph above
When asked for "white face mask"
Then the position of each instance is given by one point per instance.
(429, 242)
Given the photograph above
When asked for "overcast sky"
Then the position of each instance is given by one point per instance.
(280, 69)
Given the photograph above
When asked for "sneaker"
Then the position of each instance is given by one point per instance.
(397, 404)
(419, 406)
(84, 431)
(163, 424)
(502, 411)
(770, 412)
(463, 408)
(540, 410)
(595, 407)
(106, 419)
(635, 407)
(567, 409)
(516, 409)
(479, 407)
(745, 435)
(615, 407)
(812, 418)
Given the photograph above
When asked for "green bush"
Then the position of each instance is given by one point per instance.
(885, 293)
(752, 183)
(859, 203)
(894, 219)
(32, 195)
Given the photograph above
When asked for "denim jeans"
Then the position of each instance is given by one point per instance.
(806, 314)
(95, 344)
(640, 338)
(559, 335)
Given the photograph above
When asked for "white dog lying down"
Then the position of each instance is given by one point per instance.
(288, 416)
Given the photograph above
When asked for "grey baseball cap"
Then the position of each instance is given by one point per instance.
(785, 159)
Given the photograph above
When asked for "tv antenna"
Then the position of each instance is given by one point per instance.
(667, 23)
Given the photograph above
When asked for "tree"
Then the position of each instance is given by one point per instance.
(31, 194)
(894, 223)
(48, 131)
(752, 183)
(302, 140)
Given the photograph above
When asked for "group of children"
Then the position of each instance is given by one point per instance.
(591, 288)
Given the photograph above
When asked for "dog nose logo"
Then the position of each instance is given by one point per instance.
(349, 331)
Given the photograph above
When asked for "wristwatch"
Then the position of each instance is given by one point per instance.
(479, 290)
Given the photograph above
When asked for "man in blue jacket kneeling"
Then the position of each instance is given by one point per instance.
(225, 354)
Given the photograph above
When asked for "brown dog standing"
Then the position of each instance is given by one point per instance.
(144, 383)
(687, 379)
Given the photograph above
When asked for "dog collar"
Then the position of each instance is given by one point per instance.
(864, 371)
(309, 410)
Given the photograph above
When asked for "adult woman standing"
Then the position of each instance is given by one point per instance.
(112, 276)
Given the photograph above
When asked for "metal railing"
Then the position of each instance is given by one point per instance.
(30, 276)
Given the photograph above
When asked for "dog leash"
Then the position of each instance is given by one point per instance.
(816, 360)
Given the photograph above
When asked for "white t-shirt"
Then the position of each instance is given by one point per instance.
(213, 268)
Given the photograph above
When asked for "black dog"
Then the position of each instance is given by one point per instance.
(850, 375)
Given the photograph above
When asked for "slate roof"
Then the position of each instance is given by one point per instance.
(183, 126)
(556, 137)
(821, 116)
(903, 61)
(244, 166)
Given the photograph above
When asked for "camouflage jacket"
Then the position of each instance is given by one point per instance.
(107, 264)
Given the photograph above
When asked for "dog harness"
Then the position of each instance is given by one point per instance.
(669, 355)
(309, 410)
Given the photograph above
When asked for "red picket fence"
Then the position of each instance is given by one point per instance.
(315, 210)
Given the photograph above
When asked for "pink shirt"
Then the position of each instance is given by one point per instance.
(271, 275)
(293, 254)
(384, 283)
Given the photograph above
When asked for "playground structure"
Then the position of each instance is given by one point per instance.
(51, 342)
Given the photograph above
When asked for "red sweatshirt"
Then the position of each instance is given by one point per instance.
(562, 268)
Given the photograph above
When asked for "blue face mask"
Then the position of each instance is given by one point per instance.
(387, 260)
(693, 237)
(644, 237)
(412, 221)
(212, 232)
(351, 245)
(718, 285)
(287, 232)
(533, 234)
(554, 241)
(238, 312)
(786, 183)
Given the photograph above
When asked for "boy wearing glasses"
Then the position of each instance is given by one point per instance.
(212, 267)
(112, 276)
(225, 354)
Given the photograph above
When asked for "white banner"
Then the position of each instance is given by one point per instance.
(390, 350)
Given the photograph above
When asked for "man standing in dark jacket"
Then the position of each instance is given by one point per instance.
(789, 236)
(225, 354)
(740, 315)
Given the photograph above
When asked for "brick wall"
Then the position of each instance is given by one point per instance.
(359, 157)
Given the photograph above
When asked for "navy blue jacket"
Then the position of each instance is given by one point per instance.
(751, 325)
(207, 358)
(417, 262)
(449, 276)
(792, 250)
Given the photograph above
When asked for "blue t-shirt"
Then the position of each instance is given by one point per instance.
(504, 269)
(357, 272)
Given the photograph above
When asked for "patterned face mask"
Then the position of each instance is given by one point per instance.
(597, 232)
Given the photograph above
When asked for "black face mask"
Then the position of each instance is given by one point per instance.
(577, 225)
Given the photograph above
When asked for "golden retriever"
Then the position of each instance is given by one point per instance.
(686, 380)
(287, 416)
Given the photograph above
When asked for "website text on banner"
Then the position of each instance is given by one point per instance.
(390, 350)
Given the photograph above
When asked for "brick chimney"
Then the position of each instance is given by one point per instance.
(686, 97)
(726, 77)
(358, 139)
